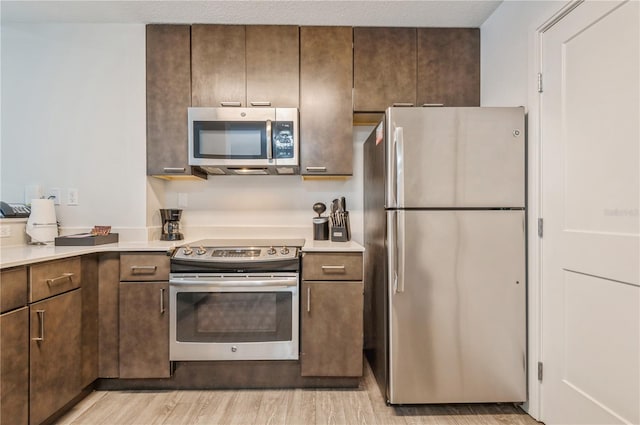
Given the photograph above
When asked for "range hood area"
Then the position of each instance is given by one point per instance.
(251, 171)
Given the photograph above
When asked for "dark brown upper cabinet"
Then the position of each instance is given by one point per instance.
(384, 68)
(415, 67)
(168, 97)
(326, 81)
(449, 66)
(218, 67)
(254, 65)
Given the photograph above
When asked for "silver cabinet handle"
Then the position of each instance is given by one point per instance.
(40, 314)
(143, 269)
(269, 141)
(402, 104)
(317, 169)
(174, 170)
(332, 267)
(234, 104)
(262, 103)
(432, 105)
(161, 300)
(65, 277)
(308, 299)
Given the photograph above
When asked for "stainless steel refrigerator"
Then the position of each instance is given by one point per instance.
(445, 294)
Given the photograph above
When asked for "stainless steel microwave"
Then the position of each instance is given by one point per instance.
(244, 141)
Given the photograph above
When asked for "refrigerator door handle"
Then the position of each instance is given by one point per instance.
(400, 251)
(399, 151)
(392, 227)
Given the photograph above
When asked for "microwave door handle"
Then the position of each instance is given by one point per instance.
(269, 141)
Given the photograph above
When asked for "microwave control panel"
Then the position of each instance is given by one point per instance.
(283, 139)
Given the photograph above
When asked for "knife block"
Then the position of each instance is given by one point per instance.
(341, 233)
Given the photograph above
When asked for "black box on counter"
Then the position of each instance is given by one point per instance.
(86, 239)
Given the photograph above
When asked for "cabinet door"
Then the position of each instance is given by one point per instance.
(272, 55)
(89, 337)
(218, 72)
(108, 316)
(384, 68)
(14, 367)
(55, 359)
(144, 330)
(331, 328)
(326, 81)
(168, 97)
(449, 66)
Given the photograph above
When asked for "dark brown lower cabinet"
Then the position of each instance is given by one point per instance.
(331, 323)
(14, 367)
(144, 330)
(55, 354)
(89, 319)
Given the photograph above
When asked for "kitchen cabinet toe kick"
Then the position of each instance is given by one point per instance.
(209, 375)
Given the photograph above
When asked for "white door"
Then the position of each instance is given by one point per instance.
(590, 255)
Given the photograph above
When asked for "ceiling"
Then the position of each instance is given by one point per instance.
(397, 13)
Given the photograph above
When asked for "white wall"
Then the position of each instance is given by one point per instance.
(507, 55)
(73, 116)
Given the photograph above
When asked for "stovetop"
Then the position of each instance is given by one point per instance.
(239, 250)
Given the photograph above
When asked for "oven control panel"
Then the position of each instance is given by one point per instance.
(231, 254)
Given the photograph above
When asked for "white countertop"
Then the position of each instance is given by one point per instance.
(18, 255)
(328, 246)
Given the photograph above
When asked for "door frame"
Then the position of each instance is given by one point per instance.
(534, 212)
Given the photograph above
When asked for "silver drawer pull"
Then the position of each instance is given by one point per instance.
(65, 277)
(402, 104)
(174, 169)
(262, 103)
(317, 169)
(234, 104)
(308, 299)
(40, 314)
(432, 105)
(143, 269)
(336, 268)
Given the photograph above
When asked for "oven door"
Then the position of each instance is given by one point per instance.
(233, 317)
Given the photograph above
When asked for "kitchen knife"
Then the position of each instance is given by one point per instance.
(343, 204)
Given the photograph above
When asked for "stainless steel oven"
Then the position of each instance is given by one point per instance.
(234, 303)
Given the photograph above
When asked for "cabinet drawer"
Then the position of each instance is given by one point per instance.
(144, 267)
(332, 266)
(13, 288)
(54, 277)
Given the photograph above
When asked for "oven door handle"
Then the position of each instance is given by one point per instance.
(276, 283)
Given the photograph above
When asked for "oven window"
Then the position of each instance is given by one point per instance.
(230, 140)
(233, 316)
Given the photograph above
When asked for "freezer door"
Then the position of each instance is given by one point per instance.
(457, 329)
(455, 157)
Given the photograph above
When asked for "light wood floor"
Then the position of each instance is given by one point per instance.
(364, 405)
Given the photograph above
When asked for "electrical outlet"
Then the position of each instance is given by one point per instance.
(72, 196)
(183, 200)
(54, 193)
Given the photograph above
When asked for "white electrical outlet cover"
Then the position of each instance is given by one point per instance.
(72, 196)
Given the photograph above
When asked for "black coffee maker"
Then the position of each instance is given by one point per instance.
(171, 225)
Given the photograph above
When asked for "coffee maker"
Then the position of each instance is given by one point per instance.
(171, 225)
